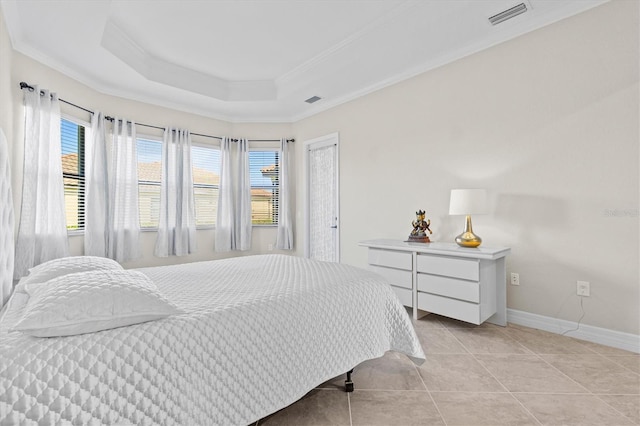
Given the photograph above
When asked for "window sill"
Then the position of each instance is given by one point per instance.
(80, 232)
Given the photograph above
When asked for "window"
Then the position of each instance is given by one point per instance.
(149, 178)
(264, 168)
(72, 136)
(206, 180)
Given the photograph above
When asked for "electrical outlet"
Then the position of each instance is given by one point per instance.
(583, 288)
(270, 247)
(515, 279)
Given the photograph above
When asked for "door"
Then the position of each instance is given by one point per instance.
(322, 231)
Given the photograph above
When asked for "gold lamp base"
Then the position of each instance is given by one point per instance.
(468, 238)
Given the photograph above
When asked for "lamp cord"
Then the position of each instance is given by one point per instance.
(580, 320)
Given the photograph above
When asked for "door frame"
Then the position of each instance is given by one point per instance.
(319, 142)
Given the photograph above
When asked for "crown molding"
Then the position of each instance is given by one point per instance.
(284, 80)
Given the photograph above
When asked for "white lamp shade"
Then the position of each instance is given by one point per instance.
(468, 201)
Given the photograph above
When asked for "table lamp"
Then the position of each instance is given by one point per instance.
(468, 202)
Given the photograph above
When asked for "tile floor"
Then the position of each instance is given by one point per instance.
(481, 375)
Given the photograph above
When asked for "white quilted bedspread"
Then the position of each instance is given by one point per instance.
(258, 333)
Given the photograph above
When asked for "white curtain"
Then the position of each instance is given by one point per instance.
(177, 227)
(243, 199)
(225, 236)
(124, 224)
(42, 233)
(96, 197)
(284, 240)
(6, 223)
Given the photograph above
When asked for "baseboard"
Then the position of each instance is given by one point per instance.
(603, 336)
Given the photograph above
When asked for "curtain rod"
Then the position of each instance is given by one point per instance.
(24, 85)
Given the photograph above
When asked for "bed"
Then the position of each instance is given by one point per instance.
(250, 335)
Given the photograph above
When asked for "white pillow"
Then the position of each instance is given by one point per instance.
(86, 302)
(68, 265)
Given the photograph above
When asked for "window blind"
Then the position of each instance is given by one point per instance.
(264, 167)
(206, 182)
(149, 178)
(206, 178)
(72, 136)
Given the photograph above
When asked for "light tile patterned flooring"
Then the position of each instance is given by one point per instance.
(481, 375)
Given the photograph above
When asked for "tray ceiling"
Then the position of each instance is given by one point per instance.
(259, 61)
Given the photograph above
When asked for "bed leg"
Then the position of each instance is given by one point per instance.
(348, 384)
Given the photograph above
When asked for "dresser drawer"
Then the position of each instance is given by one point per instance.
(396, 277)
(390, 258)
(449, 287)
(452, 308)
(467, 269)
(404, 295)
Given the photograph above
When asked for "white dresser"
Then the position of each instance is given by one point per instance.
(469, 284)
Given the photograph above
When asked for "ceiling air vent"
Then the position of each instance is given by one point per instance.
(313, 99)
(508, 14)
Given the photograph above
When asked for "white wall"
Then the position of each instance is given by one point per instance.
(6, 104)
(6, 112)
(548, 123)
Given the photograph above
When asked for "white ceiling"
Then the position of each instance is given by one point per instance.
(257, 61)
